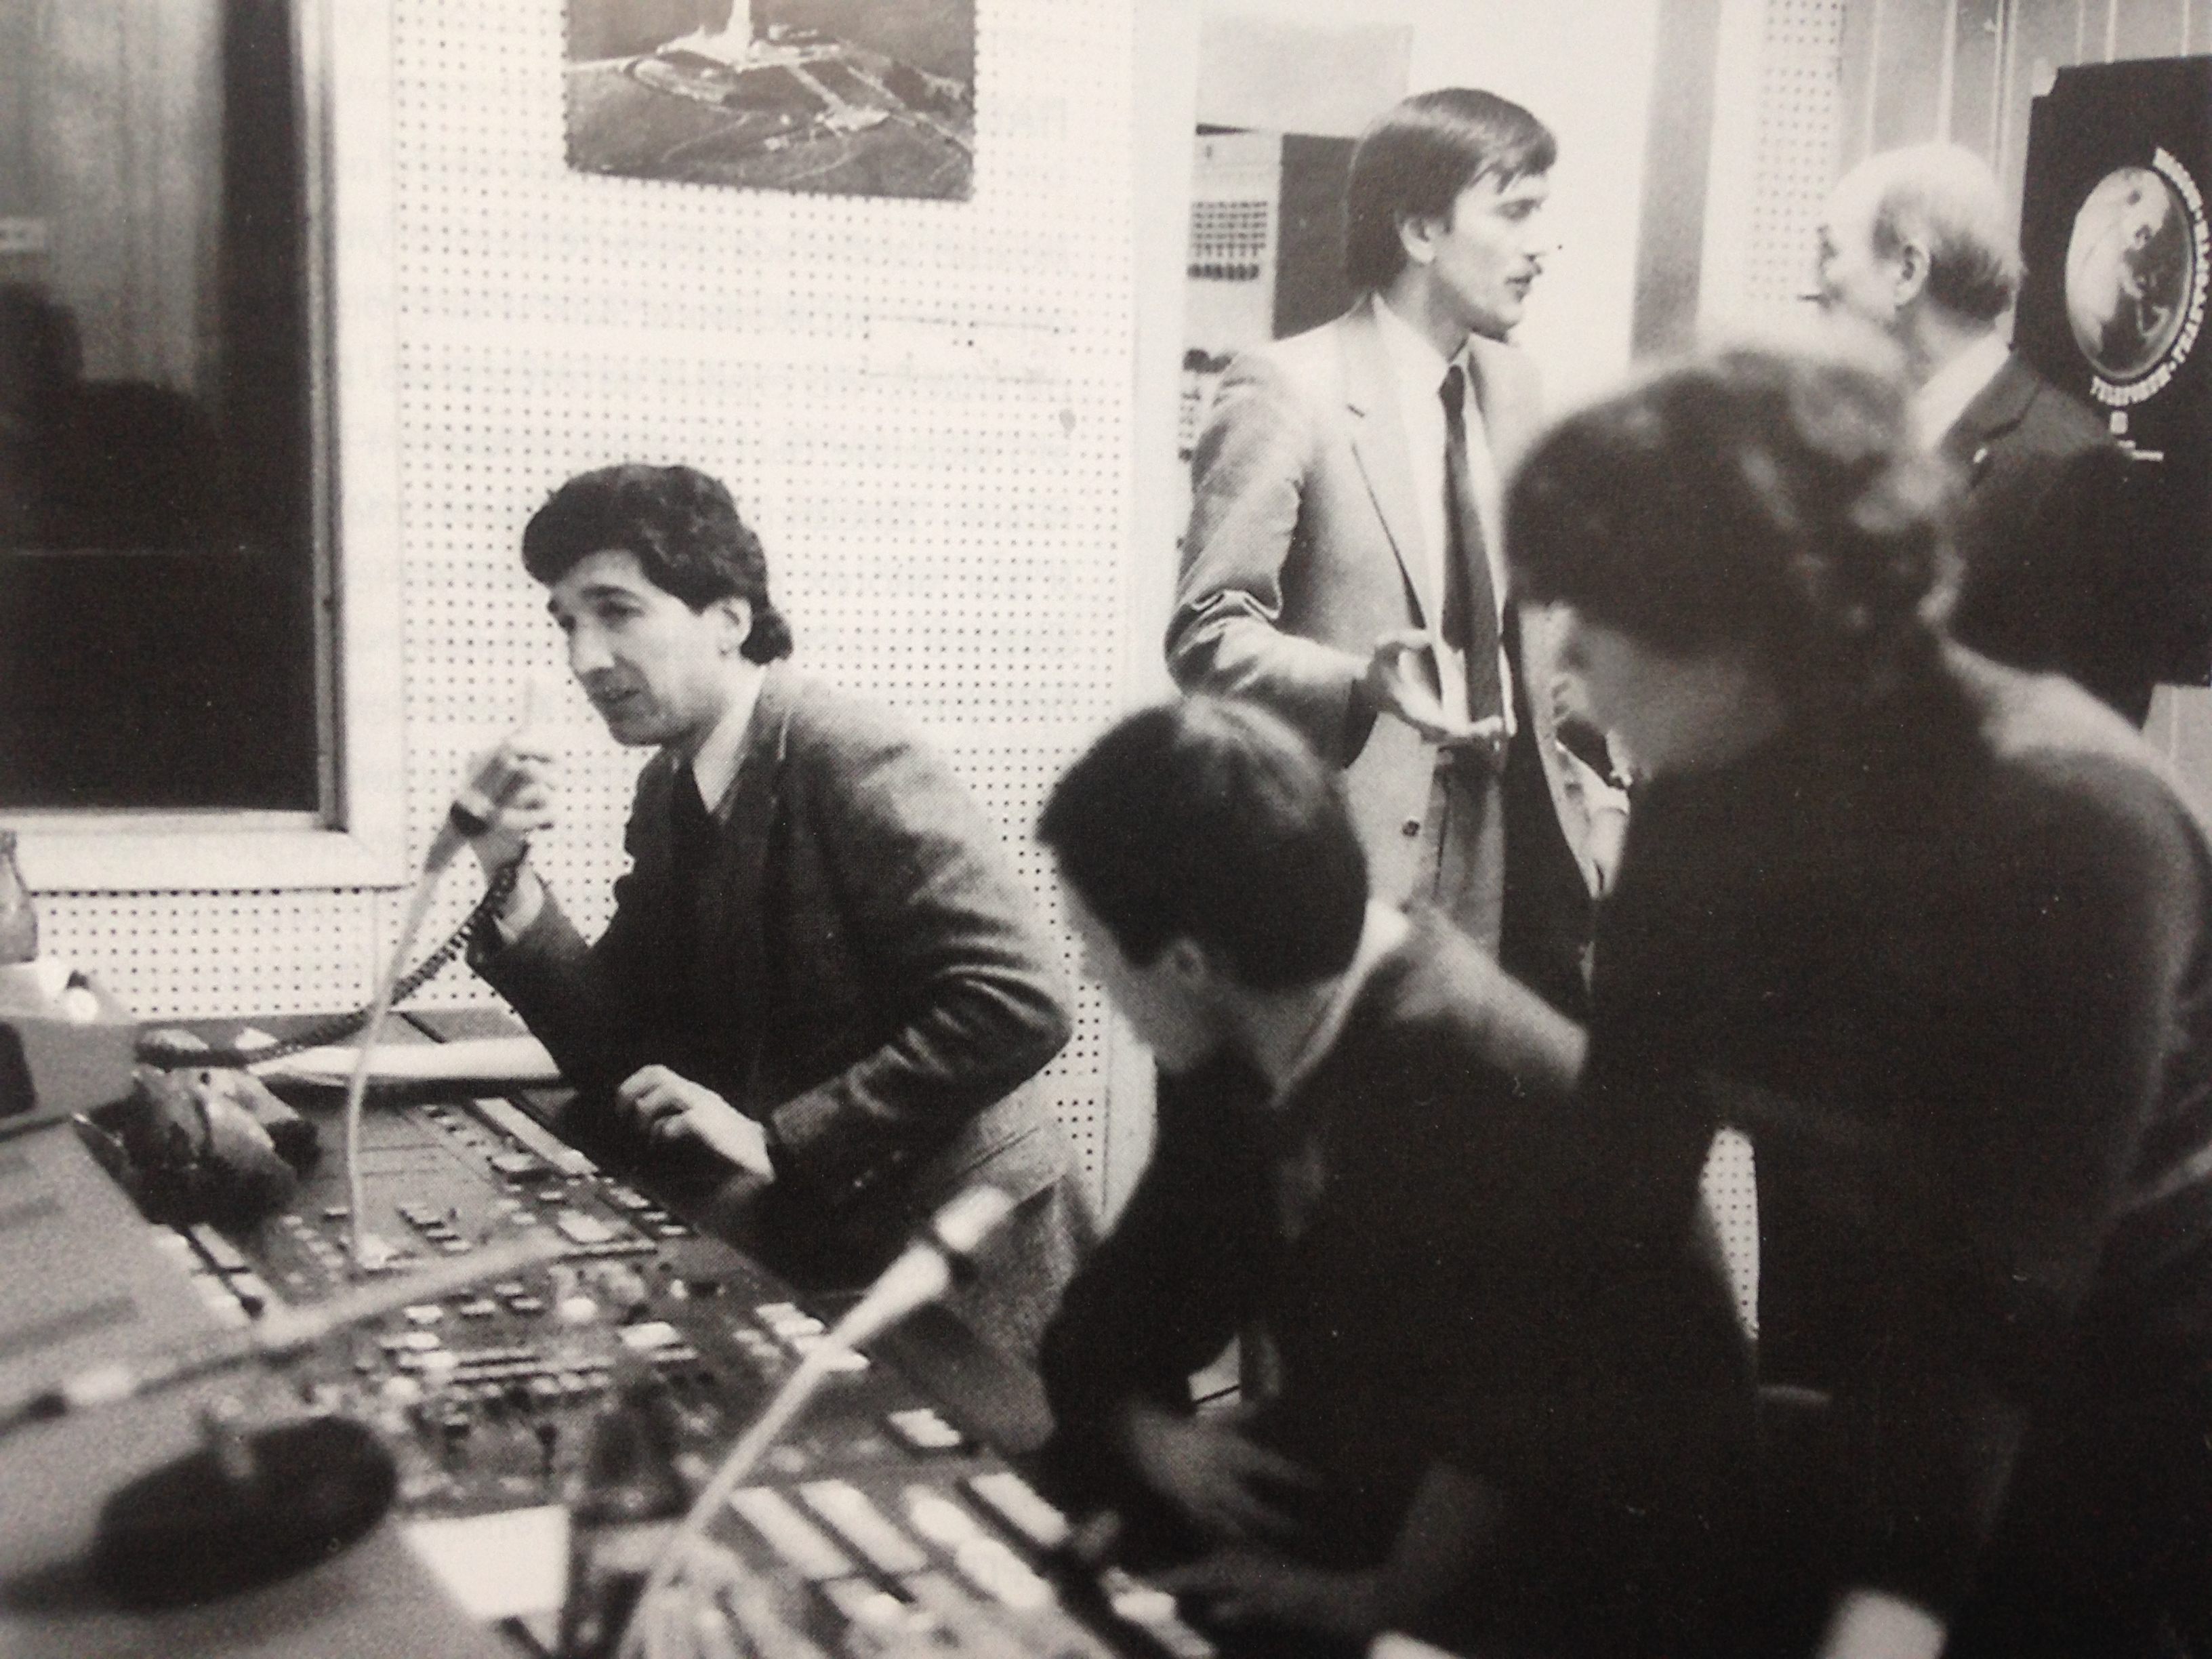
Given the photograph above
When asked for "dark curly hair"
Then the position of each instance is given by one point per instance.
(681, 526)
(1762, 497)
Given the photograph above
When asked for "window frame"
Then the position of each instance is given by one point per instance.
(357, 837)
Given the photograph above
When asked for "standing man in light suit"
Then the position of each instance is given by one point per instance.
(1344, 564)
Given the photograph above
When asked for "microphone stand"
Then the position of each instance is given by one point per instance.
(922, 1272)
(278, 1335)
(469, 815)
(442, 849)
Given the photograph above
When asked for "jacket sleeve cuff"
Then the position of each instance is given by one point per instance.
(803, 1139)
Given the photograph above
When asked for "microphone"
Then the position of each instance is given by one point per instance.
(453, 834)
(922, 1271)
(278, 1335)
(475, 803)
(469, 815)
(252, 1506)
(941, 1257)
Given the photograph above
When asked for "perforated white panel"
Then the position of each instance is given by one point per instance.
(924, 408)
(1732, 1197)
(1800, 63)
(233, 953)
(1799, 105)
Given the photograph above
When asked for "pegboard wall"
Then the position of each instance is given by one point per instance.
(924, 407)
(1797, 92)
(1800, 65)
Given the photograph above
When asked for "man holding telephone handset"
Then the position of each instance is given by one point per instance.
(820, 966)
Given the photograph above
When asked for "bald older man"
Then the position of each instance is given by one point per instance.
(1917, 242)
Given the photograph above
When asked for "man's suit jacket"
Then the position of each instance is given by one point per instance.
(1305, 547)
(867, 980)
(1434, 1305)
(2051, 580)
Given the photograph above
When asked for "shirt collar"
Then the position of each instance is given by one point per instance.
(714, 765)
(1416, 364)
(1938, 405)
(1382, 930)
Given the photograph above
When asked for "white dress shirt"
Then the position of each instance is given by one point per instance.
(714, 763)
(1938, 403)
(1417, 376)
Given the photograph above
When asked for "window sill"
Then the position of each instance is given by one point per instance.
(199, 852)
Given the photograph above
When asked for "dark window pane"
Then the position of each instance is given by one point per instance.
(158, 620)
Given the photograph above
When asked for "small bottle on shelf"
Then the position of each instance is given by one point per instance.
(19, 917)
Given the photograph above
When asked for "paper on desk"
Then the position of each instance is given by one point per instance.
(498, 1567)
(1392, 1645)
(511, 1060)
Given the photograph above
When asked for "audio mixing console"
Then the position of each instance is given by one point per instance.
(875, 1527)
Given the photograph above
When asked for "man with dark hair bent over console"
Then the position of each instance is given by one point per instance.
(819, 965)
(1459, 1419)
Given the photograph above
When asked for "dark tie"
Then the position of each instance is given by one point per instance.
(691, 830)
(690, 857)
(1470, 618)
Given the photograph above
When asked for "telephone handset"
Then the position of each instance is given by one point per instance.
(474, 805)
(159, 1049)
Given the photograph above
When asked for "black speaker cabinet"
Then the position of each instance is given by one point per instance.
(2113, 227)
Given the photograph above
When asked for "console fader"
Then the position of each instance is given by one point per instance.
(875, 1526)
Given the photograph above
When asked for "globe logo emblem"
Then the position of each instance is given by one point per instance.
(2133, 267)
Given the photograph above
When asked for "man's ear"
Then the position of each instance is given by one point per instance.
(1913, 261)
(1189, 964)
(737, 617)
(1417, 235)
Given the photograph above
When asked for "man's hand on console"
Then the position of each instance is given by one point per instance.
(1219, 1478)
(665, 1106)
(1241, 1586)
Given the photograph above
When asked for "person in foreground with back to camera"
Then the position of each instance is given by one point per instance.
(1937, 935)
(820, 964)
(1475, 1425)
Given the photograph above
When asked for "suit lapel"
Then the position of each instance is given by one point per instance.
(729, 903)
(1379, 443)
(1997, 409)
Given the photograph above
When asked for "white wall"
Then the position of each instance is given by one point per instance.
(925, 407)
(1584, 67)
